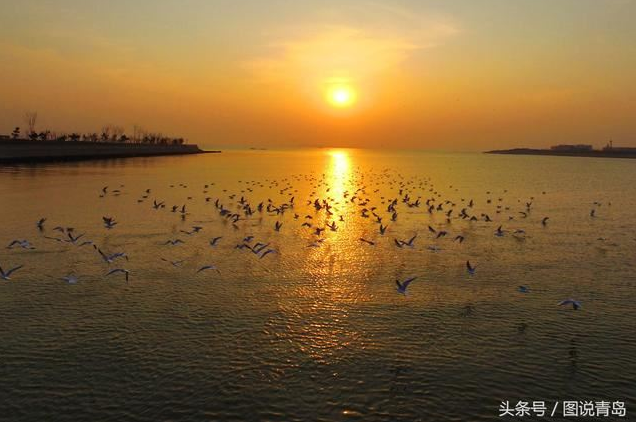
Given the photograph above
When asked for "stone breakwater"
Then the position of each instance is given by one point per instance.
(13, 151)
(618, 153)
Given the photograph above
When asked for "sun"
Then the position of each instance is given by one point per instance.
(341, 96)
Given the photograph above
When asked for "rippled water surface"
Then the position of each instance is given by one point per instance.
(316, 330)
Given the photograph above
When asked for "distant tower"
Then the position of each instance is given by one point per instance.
(611, 144)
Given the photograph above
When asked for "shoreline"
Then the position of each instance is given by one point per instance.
(589, 154)
(27, 151)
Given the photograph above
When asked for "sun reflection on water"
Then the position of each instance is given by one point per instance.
(338, 173)
(334, 281)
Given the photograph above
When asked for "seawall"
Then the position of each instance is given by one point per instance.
(17, 151)
(593, 153)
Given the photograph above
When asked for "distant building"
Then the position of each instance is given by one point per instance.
(611, 148)
(5, 137)
(620, 149)
(572, 148)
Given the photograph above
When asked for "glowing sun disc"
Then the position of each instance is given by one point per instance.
(341, 96)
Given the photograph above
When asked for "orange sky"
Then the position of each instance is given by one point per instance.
(453, 75)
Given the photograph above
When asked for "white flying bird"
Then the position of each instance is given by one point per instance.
(109, 222)
(111, 258)
(119, 270)
(70, 279)
(24, 244)
(401, 287)
(575, 303)
(471, 269)
(268, 252)
(208, 267)
(175, 264)
(174, 242)
(5, 275)
(402, 243)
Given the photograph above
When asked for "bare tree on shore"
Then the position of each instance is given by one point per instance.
(31, 118)
(46, 135)
(138, 134)
(109, 133)
(113, 133)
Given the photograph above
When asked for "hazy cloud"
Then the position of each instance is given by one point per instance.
(379, 39)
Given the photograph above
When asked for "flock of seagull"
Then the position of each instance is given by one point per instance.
(323, 216)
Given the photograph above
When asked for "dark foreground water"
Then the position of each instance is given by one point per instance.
(316, 329)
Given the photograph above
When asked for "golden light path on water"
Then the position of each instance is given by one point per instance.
(342, 272)
(338, 172)
(331, 287)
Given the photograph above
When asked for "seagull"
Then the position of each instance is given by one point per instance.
(545, 220)
(119, 270)
(575, 303)
(208, 267)
(401, 287)
(459, 238)
(111, 258)
(73, 239)
(214, 240)
(174, 242)
(5, 275)
(524, 289)
(402, 243)
(315, 244)
(175, 264)
(70, 279)
(278, 225)
(40, 223)
(109, 222)
(471, 270)
(367, 241)
(258, 247)
(268, 252)
(383, 228)
(24, 244)
(499, 232)
(195, 229)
